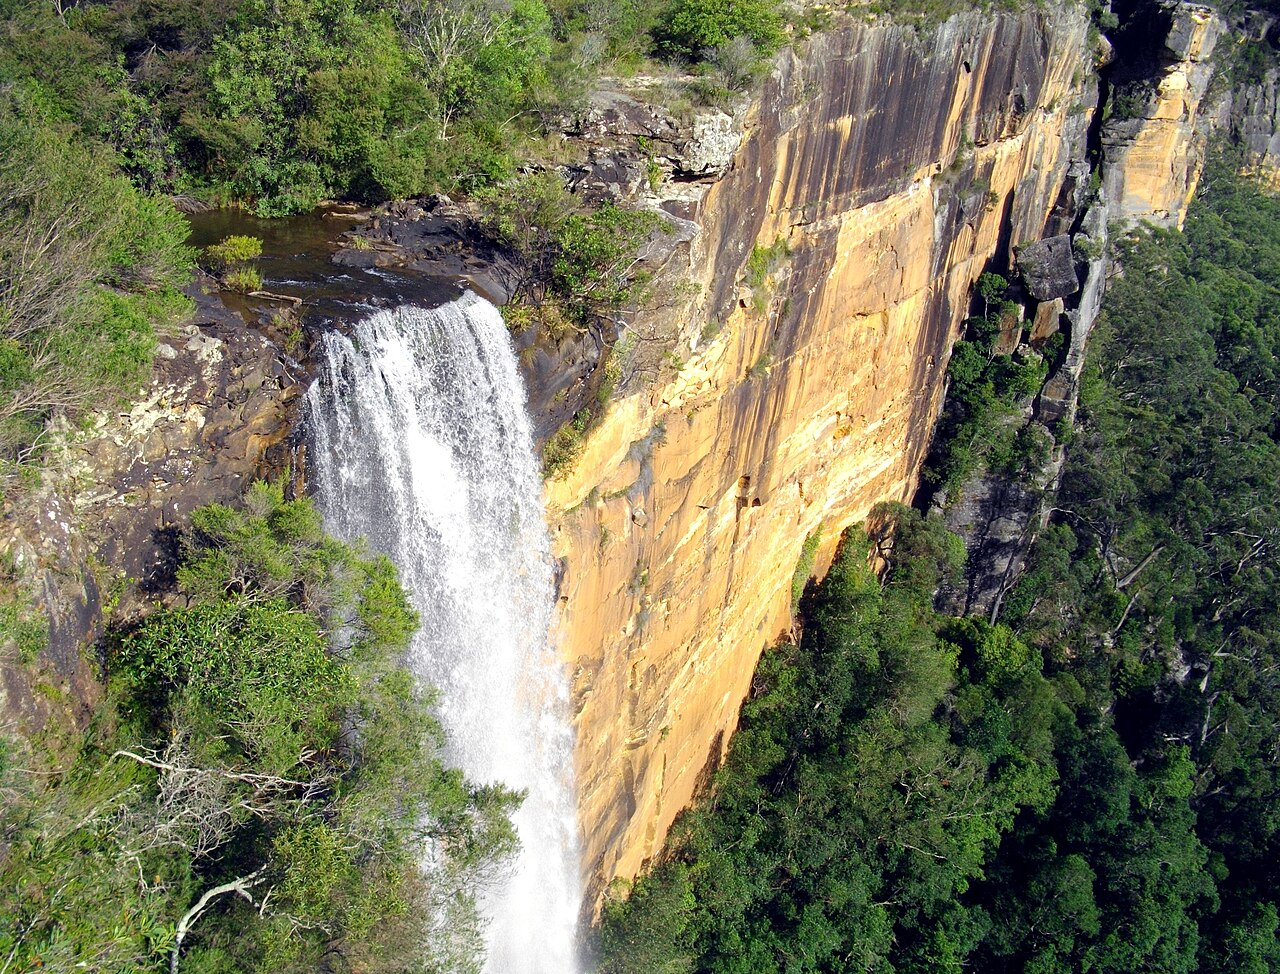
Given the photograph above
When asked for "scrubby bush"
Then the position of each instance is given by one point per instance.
(584, 258)
(88, 269)
(261, 786)
(692, 29)
(980, 428)
(233, 250)
(243, 279)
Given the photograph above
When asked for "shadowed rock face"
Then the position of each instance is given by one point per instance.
(1048, 268)
(99, 536)
(885, 171)
(1149, 171)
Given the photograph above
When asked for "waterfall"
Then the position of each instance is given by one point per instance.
(420, 443)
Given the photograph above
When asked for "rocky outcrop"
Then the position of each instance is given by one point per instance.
(1154, 141)
(628, 144)
(795, 382)
(96, 539)
(1149, 169)
(1255, 125)
(1048, 268)
(1254, 112)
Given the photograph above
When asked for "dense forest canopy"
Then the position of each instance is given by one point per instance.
(1091, 782)
(283, 103)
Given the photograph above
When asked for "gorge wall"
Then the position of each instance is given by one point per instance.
(882, 171)
(1152, 155)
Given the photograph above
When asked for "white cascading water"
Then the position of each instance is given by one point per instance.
(421, 443)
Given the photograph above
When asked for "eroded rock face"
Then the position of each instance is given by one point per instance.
(98, 536)
(1156, 157)
(1257, 124)
(881, 173)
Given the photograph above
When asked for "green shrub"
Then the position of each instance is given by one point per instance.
(565, 444)
(581, 258)
(232, 250)
(804, 568)
(692, 29)
(24, 630)
(243, 279)
(765, 260)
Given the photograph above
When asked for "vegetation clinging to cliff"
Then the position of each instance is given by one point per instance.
(89, 268)
(259, 791)
(987, 390)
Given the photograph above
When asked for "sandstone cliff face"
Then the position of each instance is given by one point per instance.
(893, 167)
(1154, 159)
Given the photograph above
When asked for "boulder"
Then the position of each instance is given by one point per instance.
(1045, 323)
(1048, 268)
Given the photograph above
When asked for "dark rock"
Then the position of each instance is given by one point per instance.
(217, 413)
(1048, 268)
(357, 258)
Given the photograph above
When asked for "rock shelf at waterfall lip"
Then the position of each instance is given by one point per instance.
(298, 262)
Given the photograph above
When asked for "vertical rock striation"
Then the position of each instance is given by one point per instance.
(1154, 141)
(881, 173)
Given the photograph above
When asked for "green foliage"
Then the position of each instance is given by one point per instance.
(88, 269)
(646, 933)
(565, 444)
(233, 250)
(265, 746)
(765, 260)
(693, 28)
(280, 105)
(585, 260)
(804, 568)
(594, 253)
(980, 428)
(24, 630)
(243, 279)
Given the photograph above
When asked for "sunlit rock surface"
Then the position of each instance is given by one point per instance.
(803, 385)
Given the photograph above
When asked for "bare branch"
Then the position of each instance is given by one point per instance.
(239, 886)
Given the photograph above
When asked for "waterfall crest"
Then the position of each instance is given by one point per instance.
(421, 443)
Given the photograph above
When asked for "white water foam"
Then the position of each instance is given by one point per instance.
(420, 442)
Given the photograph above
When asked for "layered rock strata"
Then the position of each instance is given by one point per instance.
(881, 173)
